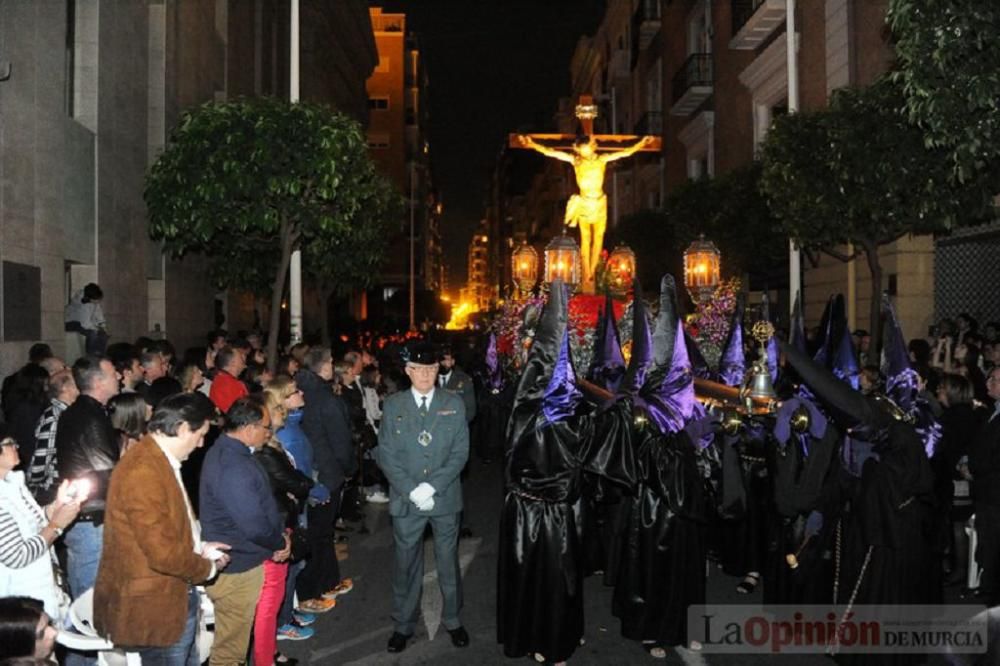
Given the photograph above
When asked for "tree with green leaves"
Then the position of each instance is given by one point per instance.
(948, 53)
(729, 210)
(247, 182)
(350, 261)
(859, 173)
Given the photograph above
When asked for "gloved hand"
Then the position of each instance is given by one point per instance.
(426, 505)
(814, 523)
(422, 493)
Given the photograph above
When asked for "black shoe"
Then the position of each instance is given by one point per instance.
(464, 533)
(459, 637)
(397, 642)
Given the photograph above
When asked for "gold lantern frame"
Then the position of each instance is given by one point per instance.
(524, 267)
(621, 269)
(702, 274)
(562, 261)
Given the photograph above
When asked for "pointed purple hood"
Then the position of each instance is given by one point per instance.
(608, 365)
(548, 381)
(772, 344)
(900, 377)
(843, 359)
(732, 364)
(494, 374)
(642, 347)
(668, 393)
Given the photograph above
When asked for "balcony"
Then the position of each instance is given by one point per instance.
(692, 84)
(650, 124)
(754, 21)
(646, 22)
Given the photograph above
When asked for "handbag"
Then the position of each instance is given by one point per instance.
(300, 544)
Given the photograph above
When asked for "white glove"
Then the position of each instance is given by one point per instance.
(422, 493)
(427, 504)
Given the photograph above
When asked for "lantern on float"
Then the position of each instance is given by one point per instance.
(524, 267)
(562, 261)
(621, 269)
(701, 269)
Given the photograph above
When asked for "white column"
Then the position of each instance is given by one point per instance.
(794, 256)
(295, 267)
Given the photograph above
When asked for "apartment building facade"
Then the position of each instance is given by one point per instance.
(92, 92)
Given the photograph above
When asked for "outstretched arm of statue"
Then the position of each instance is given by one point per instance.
(631, 150)
(528, 142)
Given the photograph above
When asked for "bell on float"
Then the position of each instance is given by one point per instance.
(759, 385)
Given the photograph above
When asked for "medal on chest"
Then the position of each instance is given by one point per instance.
(424, 438)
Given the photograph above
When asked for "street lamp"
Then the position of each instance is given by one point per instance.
(701, 269)
(562, 261)
(524, 267)
(621, 269)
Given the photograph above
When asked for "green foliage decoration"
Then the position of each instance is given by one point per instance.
(246, 182)
(948, 52)
(859, 172)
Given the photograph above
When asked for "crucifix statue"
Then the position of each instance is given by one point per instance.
(589, 154)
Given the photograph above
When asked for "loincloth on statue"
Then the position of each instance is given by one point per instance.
(587, 210)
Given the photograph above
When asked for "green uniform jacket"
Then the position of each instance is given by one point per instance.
(407, 464)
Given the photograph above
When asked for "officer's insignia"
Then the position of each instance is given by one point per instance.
(447, 412)
(424, 438)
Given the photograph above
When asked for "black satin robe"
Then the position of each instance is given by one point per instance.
(892, 514)
(661, 544)
(541, 564)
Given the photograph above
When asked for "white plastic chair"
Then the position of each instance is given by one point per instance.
(84, 637)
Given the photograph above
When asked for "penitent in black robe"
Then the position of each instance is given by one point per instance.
(661, 544)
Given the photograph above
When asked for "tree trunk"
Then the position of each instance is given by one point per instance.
(875, 308)
(287, 235)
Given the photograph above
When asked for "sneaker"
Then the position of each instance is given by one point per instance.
(292, 632)
(345, 586)
(317, 605)
(303, 619)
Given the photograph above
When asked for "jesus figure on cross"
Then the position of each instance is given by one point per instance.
(589, 155)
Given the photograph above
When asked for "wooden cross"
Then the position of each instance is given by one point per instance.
(587, 210)
(586, 111)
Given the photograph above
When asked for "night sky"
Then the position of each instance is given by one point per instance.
(495, 66)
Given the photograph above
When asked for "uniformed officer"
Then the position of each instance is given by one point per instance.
(423, 446)
(454, 379)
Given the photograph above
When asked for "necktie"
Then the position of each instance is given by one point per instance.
(423, 405)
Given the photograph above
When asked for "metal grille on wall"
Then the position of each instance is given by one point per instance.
(967, 273)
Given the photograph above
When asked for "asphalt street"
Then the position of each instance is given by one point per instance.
(356, 631)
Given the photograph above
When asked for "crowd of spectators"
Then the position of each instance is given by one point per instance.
(151, 478)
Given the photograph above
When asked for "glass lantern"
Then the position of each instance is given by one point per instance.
(562, 261)
(701, 269)
(621, 269)
(524, 267)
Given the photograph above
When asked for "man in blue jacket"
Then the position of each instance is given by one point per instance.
(237, 508)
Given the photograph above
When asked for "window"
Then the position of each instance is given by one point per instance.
(698, 137)
(378, 141)
(378, 103)
(699, 38)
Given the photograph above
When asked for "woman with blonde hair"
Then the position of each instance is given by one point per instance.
(289, 487)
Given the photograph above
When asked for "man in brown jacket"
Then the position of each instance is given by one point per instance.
(153, 555)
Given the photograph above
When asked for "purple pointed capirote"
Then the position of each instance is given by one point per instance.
(608, 364)
(493, 372)
(642, 347)
(772, 344)
(561, 395)
(732, 364)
